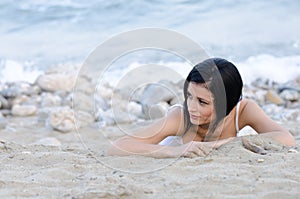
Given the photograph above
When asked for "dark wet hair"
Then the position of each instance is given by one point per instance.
(223, 80)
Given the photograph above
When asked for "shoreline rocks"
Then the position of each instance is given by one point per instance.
(56, 102)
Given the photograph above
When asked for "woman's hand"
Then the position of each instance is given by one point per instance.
(193, 149)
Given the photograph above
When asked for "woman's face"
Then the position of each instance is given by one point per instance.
(200, 104)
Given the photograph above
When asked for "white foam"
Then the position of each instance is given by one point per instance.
(276, 69)
(13, 71)
(181, 68)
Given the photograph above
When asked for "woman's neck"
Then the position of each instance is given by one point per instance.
(202, 130)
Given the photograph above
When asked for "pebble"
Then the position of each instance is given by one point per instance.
(260, 160)
(56, 82)
(292, 151)
(23, 110)
(273, 97)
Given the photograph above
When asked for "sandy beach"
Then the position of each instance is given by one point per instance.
(37, 162)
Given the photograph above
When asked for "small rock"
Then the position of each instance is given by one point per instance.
(20, 99)
(115, 116)
(157, 110)
(50, 100)
(273, 97)
(260, 160)
(56, 82)
(104, 91)
(83, 118)
(100, 103)
(84, 84)
(23, 110)
(5, 112)
(163, 91)
(290, 95)
(262, 83)
(292, 151)
(83, 101)
(19, 88)
(4, 103)
(135, 109)
(62, 119)
(290, 115)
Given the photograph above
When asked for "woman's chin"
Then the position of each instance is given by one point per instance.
(195, 122)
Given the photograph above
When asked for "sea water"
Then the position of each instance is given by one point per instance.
(261, 37)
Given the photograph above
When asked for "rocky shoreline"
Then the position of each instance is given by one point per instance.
(51, 99)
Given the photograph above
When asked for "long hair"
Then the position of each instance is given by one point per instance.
(223, 80)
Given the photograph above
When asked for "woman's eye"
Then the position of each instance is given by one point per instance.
(202, 102)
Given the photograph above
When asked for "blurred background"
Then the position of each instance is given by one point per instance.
(261, 37)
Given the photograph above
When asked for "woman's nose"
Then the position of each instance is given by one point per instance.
(192, 105)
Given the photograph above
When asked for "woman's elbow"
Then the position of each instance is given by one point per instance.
(290, 140)
(117, 147)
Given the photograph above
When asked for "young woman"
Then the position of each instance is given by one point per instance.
(211, 115)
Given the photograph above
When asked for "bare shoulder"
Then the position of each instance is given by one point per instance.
(247, 102)
(253, 115)
(249, 109)
(175, 117)
(171, 124)
(176, 111)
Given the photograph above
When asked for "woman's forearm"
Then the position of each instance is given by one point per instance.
(128, 146)
(282, 137)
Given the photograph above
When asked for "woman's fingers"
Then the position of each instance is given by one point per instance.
(195, 149)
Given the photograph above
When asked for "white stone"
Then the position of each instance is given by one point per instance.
(20, 99)
(4, 102)
(115, 116)
(104, 91)
(135, 109)
(259, 96)
(100, 103)
(50, 100)
(62, 119)
(56, 82)
(289, 114)
(23, 110)
(290, 95)
(260, 160)
(292, 151)
(83, 118)
(161, 92)
(157, 110)
(83, 101)
(84, 84)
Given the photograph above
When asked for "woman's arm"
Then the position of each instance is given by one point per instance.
(255, 117)
(145, 141)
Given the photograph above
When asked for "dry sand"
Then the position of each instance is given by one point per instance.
(78, 168)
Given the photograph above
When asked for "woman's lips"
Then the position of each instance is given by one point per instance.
(194, 117)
